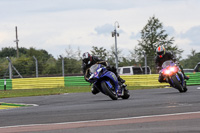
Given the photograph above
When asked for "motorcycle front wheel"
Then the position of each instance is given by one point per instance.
(109, 91)
(177, 84)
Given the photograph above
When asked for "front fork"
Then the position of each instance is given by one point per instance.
(180, 78)
(120, 88)
(180, 75)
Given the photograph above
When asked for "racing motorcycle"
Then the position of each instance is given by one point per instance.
(173, 75)
(107, 82)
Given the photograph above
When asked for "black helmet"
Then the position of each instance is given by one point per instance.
(87, 58)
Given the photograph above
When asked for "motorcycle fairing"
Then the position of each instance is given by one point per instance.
(177, 77)
(101, 73)
(113, 77)
(181, 77)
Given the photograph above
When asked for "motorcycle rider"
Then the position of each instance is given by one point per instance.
(88, 60)
(162, 56)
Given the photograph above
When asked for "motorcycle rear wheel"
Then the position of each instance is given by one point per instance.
(126, 94)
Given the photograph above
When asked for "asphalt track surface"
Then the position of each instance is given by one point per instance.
(151, 110)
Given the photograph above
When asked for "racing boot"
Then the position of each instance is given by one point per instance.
(122, 82)
(186, 77)
(120, 79)
(122, 85)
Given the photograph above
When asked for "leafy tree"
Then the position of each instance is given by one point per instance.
(72, 61)
(8, 51)
(152, 36)
(100, 52)
(3, 66)
(50, 66)
(111, 56)
(41, 54)
(191, 60)
(12, 52)
(127, 61)
(24, 65)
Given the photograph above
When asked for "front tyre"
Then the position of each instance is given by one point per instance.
(177, 84)
(109, 91)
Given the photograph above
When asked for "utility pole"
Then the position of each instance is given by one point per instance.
(17, 42)
(115, 34)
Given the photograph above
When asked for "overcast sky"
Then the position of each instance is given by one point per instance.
(54, 25)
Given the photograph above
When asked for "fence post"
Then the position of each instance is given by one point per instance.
(5, 84)
(145, 60)
(36, 66)
(63, 66)
(10, 68)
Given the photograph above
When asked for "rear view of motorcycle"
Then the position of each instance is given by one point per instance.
(107, 82)
(173, 75)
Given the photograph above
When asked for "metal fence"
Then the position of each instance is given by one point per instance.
(61, 67)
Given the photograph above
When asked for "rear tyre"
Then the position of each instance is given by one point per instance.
(185, 87)
(126, 94)
(109, 91)
(177, 84)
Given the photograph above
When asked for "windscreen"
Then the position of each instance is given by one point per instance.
(168, 63)
(93, 68)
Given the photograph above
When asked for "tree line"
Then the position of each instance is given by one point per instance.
(152, 35)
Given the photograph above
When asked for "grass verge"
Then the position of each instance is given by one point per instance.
(56, 91)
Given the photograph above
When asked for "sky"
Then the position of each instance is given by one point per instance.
(60, 25)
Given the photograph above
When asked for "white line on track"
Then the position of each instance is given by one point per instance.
(104, 120)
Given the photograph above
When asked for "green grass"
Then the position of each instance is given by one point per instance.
(56, 91)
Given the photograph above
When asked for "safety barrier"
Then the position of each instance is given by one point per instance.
(54, 82)
(152, 80)
(5, 84)
(143, 80)
(75, 81)
(37, 83)
(194, 78)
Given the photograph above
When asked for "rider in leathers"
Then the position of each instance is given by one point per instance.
(89, 60)
(163, 56)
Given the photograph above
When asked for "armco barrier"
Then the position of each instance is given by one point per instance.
(5, 84)
(194, 78)
(142, 80)
(75, 81)
(54, 82)
(38, 83)
(152, 80)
